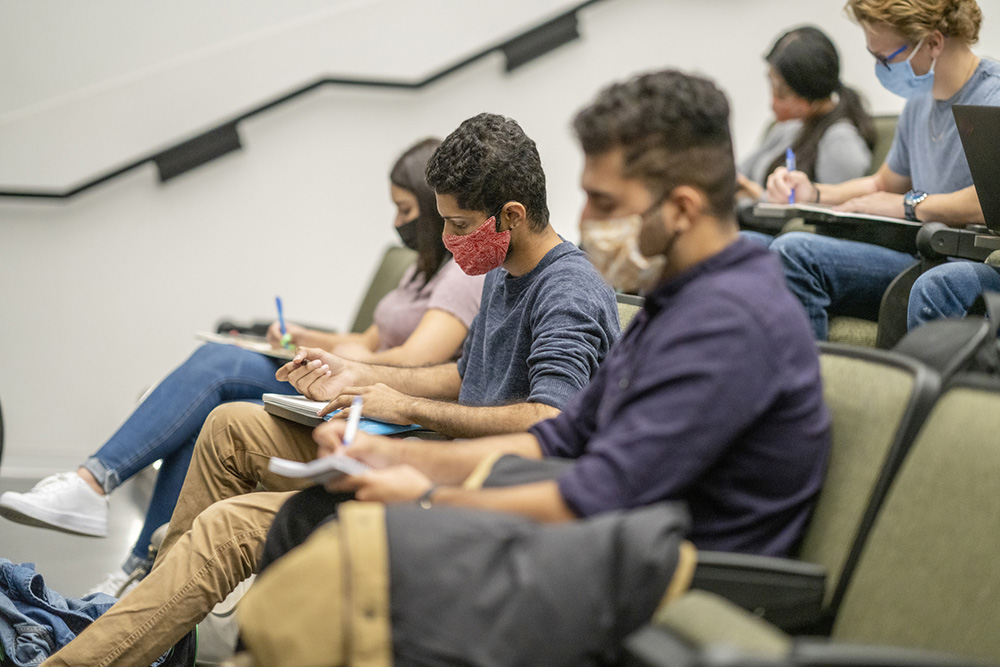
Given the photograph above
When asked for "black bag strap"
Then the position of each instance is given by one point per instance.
(987, 358)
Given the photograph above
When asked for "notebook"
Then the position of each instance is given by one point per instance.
(319, 470)
(252, 343)
(979, 129)
(299, 409)
(894, 233)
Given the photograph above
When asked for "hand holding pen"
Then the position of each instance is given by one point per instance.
(790, 166)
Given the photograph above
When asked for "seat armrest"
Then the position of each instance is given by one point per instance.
(819, 653)
(651, 646)
(785, 592)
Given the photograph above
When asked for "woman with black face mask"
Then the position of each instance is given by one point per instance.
(423, 321)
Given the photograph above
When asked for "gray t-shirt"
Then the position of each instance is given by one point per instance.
(841, 155)
(539, 337)
(927, 148)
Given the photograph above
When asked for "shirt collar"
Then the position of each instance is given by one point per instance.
(736, 252)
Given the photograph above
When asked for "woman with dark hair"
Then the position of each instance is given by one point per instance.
(423, 321)
(818, 117)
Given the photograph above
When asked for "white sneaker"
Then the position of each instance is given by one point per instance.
(63, 502)
(117, 584)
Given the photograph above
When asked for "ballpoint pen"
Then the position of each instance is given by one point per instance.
(286, 338)
(790, 166)
(352, 420)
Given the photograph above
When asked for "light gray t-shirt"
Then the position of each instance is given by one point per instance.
(841, 155)
(927, 147)
(399, 312)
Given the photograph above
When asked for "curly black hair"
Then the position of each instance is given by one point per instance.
(674, 129)
(487, 162)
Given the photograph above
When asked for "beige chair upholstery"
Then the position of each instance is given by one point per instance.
(877, 401)
(390, 271)
(628, 306)
(929, 576)
(926, 590)
(885, 130)
(852, 331)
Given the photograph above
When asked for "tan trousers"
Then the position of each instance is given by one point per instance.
(214, 541)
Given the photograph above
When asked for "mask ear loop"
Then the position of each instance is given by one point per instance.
(496, 217)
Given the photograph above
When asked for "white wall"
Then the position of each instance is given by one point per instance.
(100, 294)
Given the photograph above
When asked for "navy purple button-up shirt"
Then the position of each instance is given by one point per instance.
(712, 397)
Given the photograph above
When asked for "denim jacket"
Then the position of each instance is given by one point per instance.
(34, 621)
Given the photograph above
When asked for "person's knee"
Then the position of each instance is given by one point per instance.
(944, 291)
(228, 417)
(216, 356)
(794, 247)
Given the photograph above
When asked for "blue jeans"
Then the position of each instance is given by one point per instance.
(35, 621)
(758, 237)
(166, 424)
(837, 277)
(948, 290)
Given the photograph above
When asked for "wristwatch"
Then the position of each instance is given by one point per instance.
(910, 201)
(426, 498)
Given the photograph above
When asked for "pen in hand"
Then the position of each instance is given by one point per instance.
(790, 166)
(286, 338)
(352, 420)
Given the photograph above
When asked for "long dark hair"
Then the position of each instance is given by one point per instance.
(408, 173)
(809, 63)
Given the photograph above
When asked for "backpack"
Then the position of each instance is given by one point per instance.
(955, 345)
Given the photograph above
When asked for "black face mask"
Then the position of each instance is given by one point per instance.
(408, 233)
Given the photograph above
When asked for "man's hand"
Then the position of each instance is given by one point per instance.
(317, 374)
(381, 402)
(879, 203)
(376, 451)
(387, 483)
(398, 484)
(781, 182)
(294, 330)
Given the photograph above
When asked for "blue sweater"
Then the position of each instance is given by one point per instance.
(539, 337)
(713, 397)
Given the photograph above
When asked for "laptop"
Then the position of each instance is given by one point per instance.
(979, 129)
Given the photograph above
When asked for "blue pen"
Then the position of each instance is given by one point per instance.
(286, 338)
(790, 166)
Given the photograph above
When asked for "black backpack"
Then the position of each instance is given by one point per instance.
(955, 345)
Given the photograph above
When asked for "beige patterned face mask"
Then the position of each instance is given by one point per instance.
(613, 248)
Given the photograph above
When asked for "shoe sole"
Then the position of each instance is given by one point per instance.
(30, 515)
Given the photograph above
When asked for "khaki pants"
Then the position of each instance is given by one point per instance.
(213, 543)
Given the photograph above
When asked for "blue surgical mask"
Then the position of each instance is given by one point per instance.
(899, 77)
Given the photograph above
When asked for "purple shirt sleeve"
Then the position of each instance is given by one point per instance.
(672, 415)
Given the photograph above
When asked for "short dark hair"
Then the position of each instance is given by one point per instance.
(674, 129)
(408, 173)
(487, 162)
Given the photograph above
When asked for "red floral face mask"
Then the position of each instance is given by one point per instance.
(481, 251)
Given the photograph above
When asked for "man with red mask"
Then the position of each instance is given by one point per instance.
(546, 321)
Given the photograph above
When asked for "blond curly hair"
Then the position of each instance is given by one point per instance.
(917, 18)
